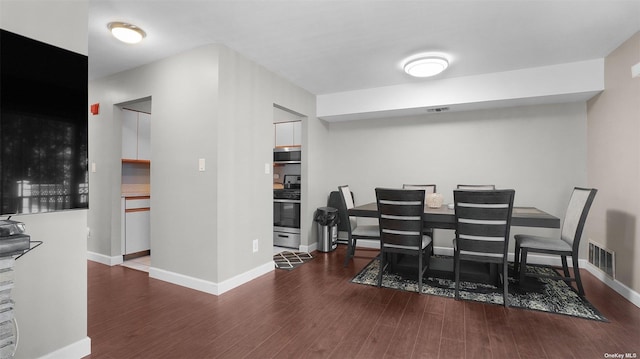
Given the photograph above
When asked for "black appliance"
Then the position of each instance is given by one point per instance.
(287, 155)
(286, 213)
(335, 201)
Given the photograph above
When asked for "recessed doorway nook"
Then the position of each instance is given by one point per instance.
(135, 234)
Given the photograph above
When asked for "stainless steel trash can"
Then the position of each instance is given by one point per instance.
(326, 219)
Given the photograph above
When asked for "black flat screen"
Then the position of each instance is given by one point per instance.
(43, 127)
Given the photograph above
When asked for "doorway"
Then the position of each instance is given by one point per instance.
(136, 184)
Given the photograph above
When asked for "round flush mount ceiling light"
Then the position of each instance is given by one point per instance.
(426, 66)
(128, 33)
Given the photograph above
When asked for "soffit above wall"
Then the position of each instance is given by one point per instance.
(571, 82)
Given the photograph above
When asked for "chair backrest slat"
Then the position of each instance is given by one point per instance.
(400, 216)
(576, 215)
(476, 186)
(483, 220)
(346, 195)
(347, 199)
(494, 213)
(428, 188)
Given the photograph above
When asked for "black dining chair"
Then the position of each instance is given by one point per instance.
(355, 231)
(568, 243)
(401, 228)
(483, 221)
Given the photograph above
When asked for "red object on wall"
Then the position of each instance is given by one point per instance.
(95, 109)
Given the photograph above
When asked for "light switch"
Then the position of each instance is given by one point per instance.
(201, 165)
(93, 167)
(267, 168)
(635, 70)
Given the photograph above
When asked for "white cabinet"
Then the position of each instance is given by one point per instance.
(136, 135)
(129, 134)
(137, 235)
(288, 133)
(144, 136)
(297, 133)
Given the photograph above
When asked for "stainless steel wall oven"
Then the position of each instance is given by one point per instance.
(286, 213)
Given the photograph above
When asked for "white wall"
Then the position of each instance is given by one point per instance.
(208, 103)
(540, 151)
(183, 90)
(614, 163)
(51, 287)
(51, 282)
(248, 93)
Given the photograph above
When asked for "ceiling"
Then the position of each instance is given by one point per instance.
(327, 46)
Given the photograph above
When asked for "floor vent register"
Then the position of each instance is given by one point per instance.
(603, 259)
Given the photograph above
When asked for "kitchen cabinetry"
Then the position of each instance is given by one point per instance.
(137, 236)
(136, 135)
(288, 134)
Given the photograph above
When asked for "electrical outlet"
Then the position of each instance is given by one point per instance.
(255, 245)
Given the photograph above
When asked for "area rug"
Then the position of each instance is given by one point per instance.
(290, 260)
(542, 294)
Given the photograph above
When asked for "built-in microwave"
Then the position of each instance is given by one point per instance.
(283, 155)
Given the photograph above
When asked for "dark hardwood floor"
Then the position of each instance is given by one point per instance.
(315, 312)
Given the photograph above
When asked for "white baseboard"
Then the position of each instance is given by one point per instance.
(620, 288)
(310, 248)
(366, 243)
(531, 258)
(443, 251)
(104, 259)
(79, 349)
(183, 280)
(208, 286)
(448, 251)
(245, 277)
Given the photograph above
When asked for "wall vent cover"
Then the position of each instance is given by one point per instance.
(602, 258)
(438, 109)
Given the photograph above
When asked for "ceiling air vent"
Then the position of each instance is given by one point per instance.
(438, 109)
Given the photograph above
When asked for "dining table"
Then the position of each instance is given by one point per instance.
(443, 217)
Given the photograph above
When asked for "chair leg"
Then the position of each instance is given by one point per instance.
(382, 265)
(420, 263)
(456, 269)
(523, 264)
(351, 250)
(346, 257)
(516, 259)
(576, 274)
(505, 283)
(565, 268)
(432, 239)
